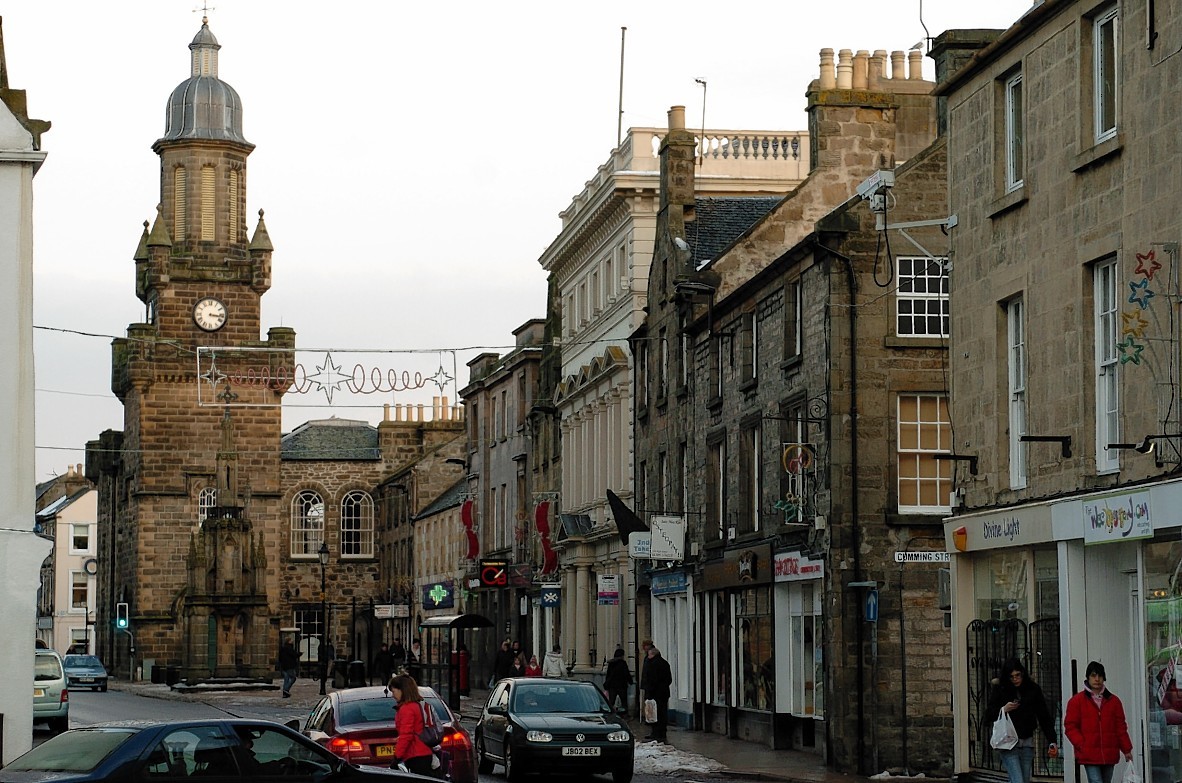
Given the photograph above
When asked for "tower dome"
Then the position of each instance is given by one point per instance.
(203, 106)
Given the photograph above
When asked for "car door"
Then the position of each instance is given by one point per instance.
(496, 719)
(269, 753)
(192, 751)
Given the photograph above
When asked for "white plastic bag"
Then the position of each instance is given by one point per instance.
(1130, 775)
(650, 711)
(1005, 737)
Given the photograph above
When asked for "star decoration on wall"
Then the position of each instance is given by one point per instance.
(1147, 269)
(1140, 293)
(328, 377)
(1132, 322)
(1130, 351)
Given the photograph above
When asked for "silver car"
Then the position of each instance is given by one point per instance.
(85, 671)
(51, 698)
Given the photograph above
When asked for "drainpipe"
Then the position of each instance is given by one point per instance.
(855, 526)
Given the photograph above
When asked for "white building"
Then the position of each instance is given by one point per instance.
(72, 522)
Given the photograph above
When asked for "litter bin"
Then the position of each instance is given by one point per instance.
(340, 672)
(172, 676)
(158, 675)
(356, 674)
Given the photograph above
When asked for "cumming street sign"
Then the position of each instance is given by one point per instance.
(922, 557)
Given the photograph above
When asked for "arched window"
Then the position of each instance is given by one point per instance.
(357, 525)
(307, 523)
(207, 498)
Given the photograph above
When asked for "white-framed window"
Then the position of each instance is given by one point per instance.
(357, 524)
(806, 696)
(924, 430)
(1107, 367)
(921, 299)
(1016, 328)
(80, 538)
(79, 590)
(1105, 82)
(1014, 133)
(207, 498)
(307, 523)
(792, 319)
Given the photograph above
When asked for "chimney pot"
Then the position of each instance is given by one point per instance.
(845, 69)
(861, 69)
(915, 64)
(677, 118)
(827, 80)
(897, 71)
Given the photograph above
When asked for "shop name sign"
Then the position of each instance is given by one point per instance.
(793, 566)
(1120, 517)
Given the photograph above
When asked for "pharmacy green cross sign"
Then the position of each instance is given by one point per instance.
(438, 593)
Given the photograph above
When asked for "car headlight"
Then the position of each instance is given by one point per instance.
(539, 736)
(619, 736)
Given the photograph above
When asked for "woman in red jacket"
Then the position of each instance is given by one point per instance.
(409, 750)
(1095, 724)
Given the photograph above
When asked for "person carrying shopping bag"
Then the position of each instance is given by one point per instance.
(1095, 724)
(1015, 694)
(409, 749)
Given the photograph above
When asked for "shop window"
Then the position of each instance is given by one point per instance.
(1163, 647)
(806, 698)
(718, 650)
(757, 663)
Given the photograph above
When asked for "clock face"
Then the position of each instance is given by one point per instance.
(209, 314)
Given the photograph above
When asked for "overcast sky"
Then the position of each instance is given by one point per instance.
(412, 158)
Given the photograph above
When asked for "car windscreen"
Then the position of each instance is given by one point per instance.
(82, 662)
(350, 713)
(75, 751)
(567, 697)
(47, 667)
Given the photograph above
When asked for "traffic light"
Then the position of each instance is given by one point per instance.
(121, 615)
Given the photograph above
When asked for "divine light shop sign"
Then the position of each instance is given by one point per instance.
(1120, 517)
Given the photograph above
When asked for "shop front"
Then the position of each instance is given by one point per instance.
(1062, 583)
(799, 667)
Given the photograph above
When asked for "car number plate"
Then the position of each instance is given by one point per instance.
(85, 679)
(383, 751)
(38, 693)
(580, 751)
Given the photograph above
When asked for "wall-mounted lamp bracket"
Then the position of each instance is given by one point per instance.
(969, 458)
(1064, 442)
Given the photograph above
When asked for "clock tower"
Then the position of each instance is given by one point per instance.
(195, 507)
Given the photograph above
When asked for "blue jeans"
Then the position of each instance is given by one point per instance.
(1019, 762)
(289, 678)
(1099, 773)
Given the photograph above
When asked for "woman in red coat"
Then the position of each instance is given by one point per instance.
(408, 722)
(1095, 724)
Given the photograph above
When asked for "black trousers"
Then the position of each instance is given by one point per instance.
(661, 727)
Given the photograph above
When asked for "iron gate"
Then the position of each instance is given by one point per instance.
(989, 644)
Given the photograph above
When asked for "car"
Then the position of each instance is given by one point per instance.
(165, 751)
(51, 696)
(358, 725)
(85, 671)
(552, 725)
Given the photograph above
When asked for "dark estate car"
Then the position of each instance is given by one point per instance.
(358, 725)
(532, 724)
(229, 750)
(85, 671)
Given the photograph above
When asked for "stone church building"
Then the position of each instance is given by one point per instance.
(217, 529)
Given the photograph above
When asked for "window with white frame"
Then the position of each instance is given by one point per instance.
(1107, 366)
(357, 524)
(1014, 136)
(207, 499)
(80, 538)
(1015, 320)
(1105, 78)
(924, 430)
(311, 624)
(307, 523)
(806, 695)
(792, 319)
(921, 300)
(79, 590)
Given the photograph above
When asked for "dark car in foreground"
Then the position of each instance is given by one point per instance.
(532, 724)
(85, 671)
(228, 750)
(358, 725)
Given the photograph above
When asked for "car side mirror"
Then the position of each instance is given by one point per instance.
(293, 724)
(496, 709)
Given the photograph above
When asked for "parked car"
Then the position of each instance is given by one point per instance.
(229, 750)
(51, 697)
(358, 725)
(531, 724)
(85, 671)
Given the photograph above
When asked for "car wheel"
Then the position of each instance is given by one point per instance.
(513, 770)
(58, 725)
(484, 765)
(622, 774)
(103, 688)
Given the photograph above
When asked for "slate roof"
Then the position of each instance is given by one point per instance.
(56, 507)
(451, 498)
(331, 440)
(720, 221)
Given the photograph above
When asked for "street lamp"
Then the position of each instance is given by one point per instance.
(323, 553)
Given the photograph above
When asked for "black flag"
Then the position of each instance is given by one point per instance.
(626, 521)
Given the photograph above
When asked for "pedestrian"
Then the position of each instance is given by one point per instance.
(656, 680)
(503, 662)
(414, 659)
(516, 650)
(1018, 696)
(640, 695)
(397, 656)
(616, 681)
(518, 667)
(1095, 724)
(409, 750)
(464, 659)
(553, 666)
(289, 666)
(533, 668)
(383, 664)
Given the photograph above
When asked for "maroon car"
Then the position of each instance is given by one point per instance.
(358, 725)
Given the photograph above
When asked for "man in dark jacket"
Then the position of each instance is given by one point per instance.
(616, 681)
(503, 662)
(656, 680)
(383, 664)
(289, 666)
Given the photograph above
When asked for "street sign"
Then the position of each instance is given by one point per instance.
(923, 556)
(871, 606)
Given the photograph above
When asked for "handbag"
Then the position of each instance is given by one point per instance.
(650, 711)
(1005, 736)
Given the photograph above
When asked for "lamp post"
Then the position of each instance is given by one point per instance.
(323, 554)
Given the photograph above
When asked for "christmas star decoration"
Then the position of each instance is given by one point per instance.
(440, 378)
(328, 377)
(213, 376)
(1133, 323)
(1147, 269)
(1130, 351)
(1140, 293)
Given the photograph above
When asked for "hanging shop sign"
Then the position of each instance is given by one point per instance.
(550, 596)
(494, 573)
(668, 538)
(608, 589)
(1121, 516)
(440, 595)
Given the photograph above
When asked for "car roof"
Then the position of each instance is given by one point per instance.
(143, 724)
(377, 692)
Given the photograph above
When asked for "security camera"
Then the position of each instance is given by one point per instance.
(681, 244)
